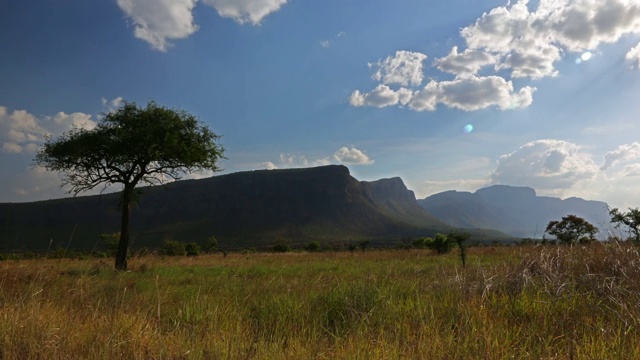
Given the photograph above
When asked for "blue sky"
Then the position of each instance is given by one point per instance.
(456, 94)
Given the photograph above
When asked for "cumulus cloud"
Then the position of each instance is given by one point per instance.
(434, 187)
(545, 164)
(624, 152)
(352, 156)
(469, 62)
(472, 93)
(159, 21)
(523, 39)
(381, 96)
(345, 155)
(21, 131)
(405, 68)
(246, 11)
(530, 42)
(269, 165)
(633, 57)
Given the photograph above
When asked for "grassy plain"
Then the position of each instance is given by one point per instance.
(545, 302)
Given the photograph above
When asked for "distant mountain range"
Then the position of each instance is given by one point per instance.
(517, 211)
(245, 209)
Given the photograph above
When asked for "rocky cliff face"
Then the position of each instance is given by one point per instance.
(517, 211)
(242, 209)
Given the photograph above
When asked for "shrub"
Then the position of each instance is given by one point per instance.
(211, 245)
(174, 248)
(192, 249)
(110, 242)
(313, 246)
(440, 243)
(281, 246)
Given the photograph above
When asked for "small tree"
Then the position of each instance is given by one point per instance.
(192, 249)
(459, 239)
(211, 245)
(631, 219)
(441, 243)
(110, 242)
(174, 248)
(572, 229)
(131, 146)
(313, 246)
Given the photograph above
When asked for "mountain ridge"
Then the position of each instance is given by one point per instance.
(244, 209)
(517, 211)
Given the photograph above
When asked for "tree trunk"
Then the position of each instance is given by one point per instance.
(123, 244)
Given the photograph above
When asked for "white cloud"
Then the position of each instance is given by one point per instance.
(158, 21)
(434, 187)
(246, 11)
(325, 43)
(10, 147)
(344, 155)
(21, 131)
(381, 96)
(269, 165)
(546, 165)
(17, 129)
(111, 105)
(633, 57)
(352, 156)
(469, 62)
(624, 152)
(293, 160)
(472, 93)
(405, 68)
(530, 42)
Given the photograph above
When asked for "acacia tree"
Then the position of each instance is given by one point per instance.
(572, 229)
(631, 219)
(131, 146)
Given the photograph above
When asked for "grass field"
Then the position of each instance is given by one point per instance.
(545, 302)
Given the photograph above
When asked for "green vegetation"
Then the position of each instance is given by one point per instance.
(630, 219)
(131, 146)
(572, 229)
(524, 302)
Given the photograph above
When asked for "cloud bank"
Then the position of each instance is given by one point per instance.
(345, 155)
(158, 22)
(524, 42)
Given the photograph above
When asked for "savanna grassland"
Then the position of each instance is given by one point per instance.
(525, 302)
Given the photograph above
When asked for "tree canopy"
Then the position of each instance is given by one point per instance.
(572, 229)
(131, 146)
(630, 218)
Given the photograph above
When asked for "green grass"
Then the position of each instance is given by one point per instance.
(509, 303)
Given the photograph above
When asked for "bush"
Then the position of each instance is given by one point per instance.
(174, 248)
(192, 249)
(313, 246)
(211, 245)
(110, 242)
(281, 246)
(440, 243)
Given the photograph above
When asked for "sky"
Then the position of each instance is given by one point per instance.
(447, 95)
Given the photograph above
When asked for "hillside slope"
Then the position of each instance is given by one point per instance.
(517, 211)
(242, 209)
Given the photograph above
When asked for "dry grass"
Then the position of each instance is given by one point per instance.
(509, 303)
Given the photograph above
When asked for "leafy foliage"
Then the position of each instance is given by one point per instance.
(572, 229)
(131, 146)
(631, 219)
(211, 245)
(174, 248)
(440, 243)
(192, 249)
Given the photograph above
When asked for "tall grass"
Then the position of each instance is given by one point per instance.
(525, 303)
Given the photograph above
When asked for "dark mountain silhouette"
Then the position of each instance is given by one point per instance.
(517, 211)
(246, 209)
